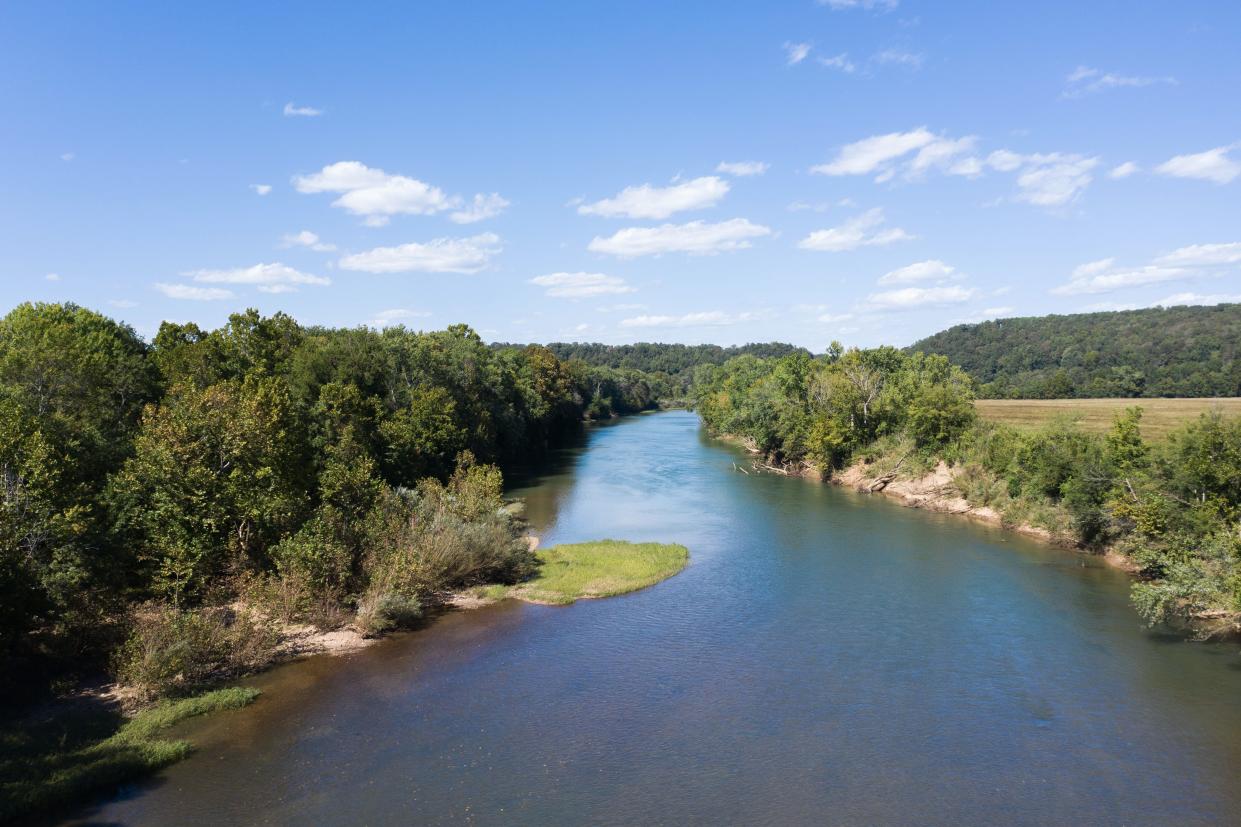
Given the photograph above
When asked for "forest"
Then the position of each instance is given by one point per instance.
(670, 366)
(1172, 509)
(162, 502)
(1174, 351)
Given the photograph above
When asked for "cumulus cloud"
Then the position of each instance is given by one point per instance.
(191, 293)
(909, 298)
(261, 189)
(378, 195)
(269, 278)
(482, 207)
(742, 169)
(695, 238)
(795, 53)
(306, 239)
(1123, 170)
(67, 156)
(1043, 179)
(440, 255)
(291, 110)
(395, 316)
(581, 285)
(860, 231)
(52, 277)
(1086, 80)
(646, 201)
(712, 318)
(928, 270)
(1214, 165)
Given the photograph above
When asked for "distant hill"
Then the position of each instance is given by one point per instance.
(1175, 351)
(651, 357)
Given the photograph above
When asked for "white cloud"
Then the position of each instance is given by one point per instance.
(483, 207)
(373, 192)
(860, 231)
(1198, 299)
(293, 111)
(899, 58)
(742, 169)
(712, 318)
(832, 318)
(870, 154)
(261, 189)
(1184, 263)
(928, 270)
(123, 304)
(993, 312)
(696, 238)
(1213, 165)
(376, 195)
(646, 201)
(886, 155)
(1101, 277)
(1203, 255)
(581, 285)
(908, 298)
(192, 293)
(271, 278)
(620, 308)
(441, 255)
(306, 239)
(395, 316)
(1046, 179)
(52, 277)
(67, 156)
(1123, 170)
(795, 53)
(842, 5)
(1085, 80)
(840, 61)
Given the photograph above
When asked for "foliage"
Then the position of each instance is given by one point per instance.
(85, 749)
(1175, 351)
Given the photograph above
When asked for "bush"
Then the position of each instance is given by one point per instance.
(171, 651)
(386, 611)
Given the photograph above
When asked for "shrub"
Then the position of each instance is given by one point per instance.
(171, 651)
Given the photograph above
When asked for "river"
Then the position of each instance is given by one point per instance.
(826, 658)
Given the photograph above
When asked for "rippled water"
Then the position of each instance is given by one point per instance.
(827, 658)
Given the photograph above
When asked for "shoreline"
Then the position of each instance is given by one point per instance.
(936, 492)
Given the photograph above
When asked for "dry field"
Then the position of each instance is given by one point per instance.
(1159, 416)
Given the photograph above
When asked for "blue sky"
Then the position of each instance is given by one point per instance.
(859, 170)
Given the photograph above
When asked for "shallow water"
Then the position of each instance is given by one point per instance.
(826, 658)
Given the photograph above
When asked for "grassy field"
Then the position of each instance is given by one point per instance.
(600, 569)
(88, 748)
(1159, 416)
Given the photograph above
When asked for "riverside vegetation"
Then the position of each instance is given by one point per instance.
(1172, 508)
(169, 510)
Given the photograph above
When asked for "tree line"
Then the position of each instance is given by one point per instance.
(149, 489)
(1175, 351)
(1173, 509)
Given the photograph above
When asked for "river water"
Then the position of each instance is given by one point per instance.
(826, 658)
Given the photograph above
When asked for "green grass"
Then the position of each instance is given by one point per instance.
(1159, 416)
(87, 748)
(599, 569)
